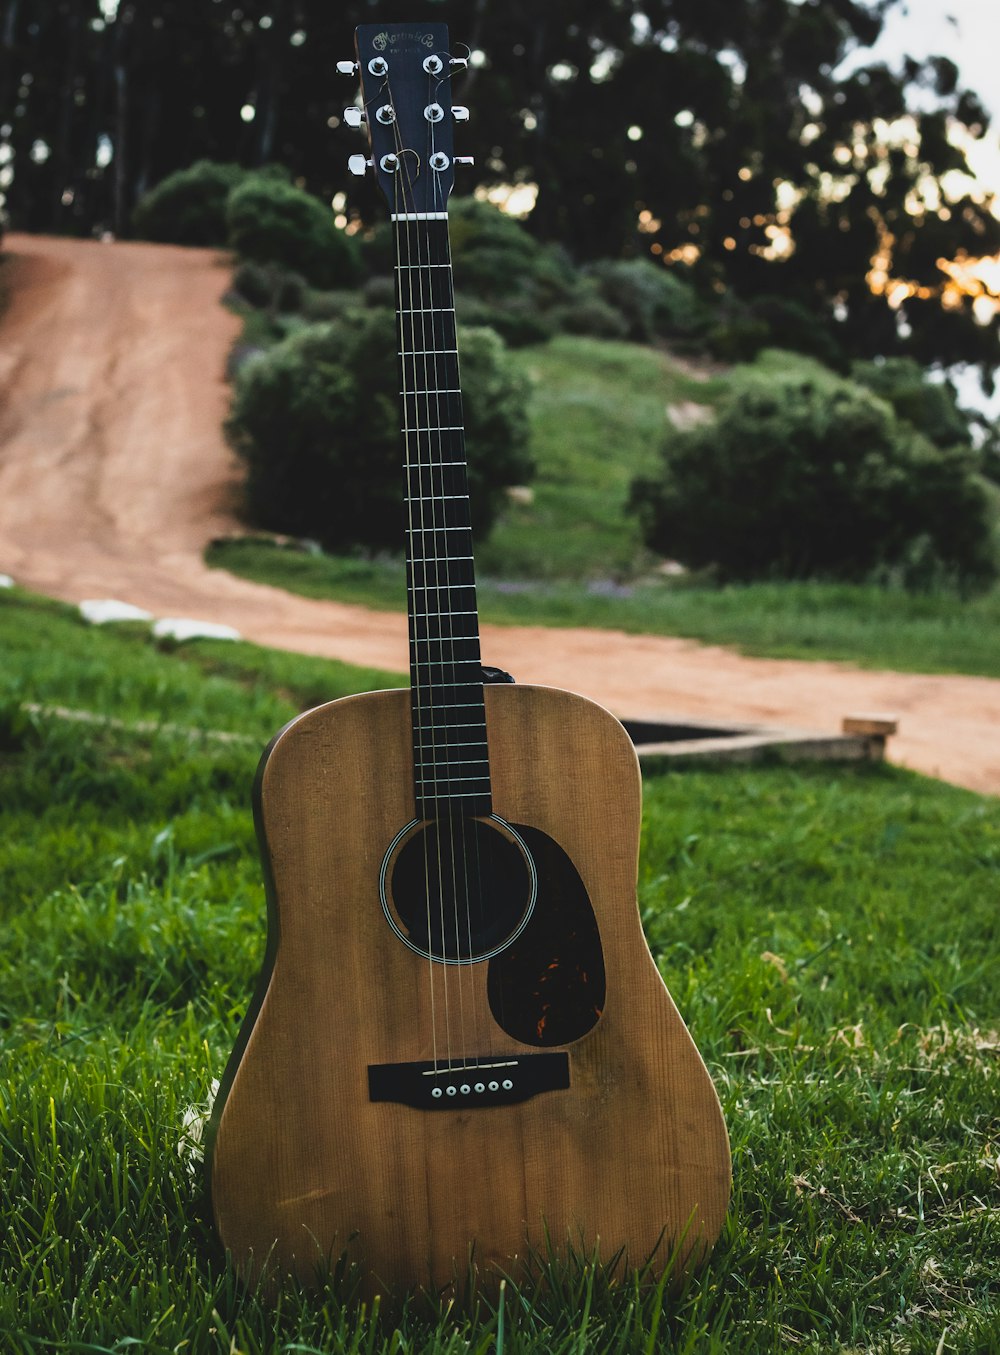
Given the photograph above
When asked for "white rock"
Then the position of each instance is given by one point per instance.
(6, 581)
(178, 628)
(99, 610)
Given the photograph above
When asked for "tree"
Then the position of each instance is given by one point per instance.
(701, 130)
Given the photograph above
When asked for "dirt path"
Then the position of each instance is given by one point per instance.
(114, 475)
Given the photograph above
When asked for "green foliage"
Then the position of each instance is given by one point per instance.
(803, 478)
(269, 286)
(517, 321)
(493, 255)
(931, 407)
(588, 313)
(271, 221)
(740, 330)
(653, 301)
(504, 278)
(316, 420)
(188, 207)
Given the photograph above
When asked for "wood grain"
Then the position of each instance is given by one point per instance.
(303, 1166)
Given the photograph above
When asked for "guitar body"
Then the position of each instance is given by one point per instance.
(305, 1167)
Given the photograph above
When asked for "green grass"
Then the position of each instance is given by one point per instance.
(829, 934)
(598, 416)
(862, 624)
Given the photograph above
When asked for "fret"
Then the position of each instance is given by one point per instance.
(438, 587)
(421, 265)
(449, 391)
(456, 724)
(426, 352)
(448, 428)
(427, 310)
(436, 685)
(467, 743)
(458, 705)
(424, 615)
(445, 782)
(438, 559)
(447, 640)
(437, 498)
(467, 761)
(429, 465)
(434, 528)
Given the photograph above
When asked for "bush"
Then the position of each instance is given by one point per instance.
(929, 406)
(589, 313)
(268, 286)
(518, 322)
(801, 477)
(316, 420)
(653, 302)
(274, 222)
(188, 207)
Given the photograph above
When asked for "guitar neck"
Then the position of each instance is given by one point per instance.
(450, 760)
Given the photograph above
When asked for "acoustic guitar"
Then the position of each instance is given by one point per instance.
(460, 1052)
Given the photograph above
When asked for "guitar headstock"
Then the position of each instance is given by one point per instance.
(406, 72)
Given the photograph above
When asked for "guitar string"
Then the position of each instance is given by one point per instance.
(467, 822)
(435, 830)
(411, 451)
(445, 662)
(438, 336)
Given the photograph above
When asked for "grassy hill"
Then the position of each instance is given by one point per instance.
(828, 933)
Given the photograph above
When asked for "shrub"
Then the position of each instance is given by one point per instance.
(268, 286)
(188, 207)
(317, 422)
(274, 222)
(653, 302)
(929, 406)
(801, 477)
(496, 259)
(518, 322)
(589, 313)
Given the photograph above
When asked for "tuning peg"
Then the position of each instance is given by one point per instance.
(464, 160)
(354, 117)
(459, 113)
(357, 164)
(346, 67)
(461, 61)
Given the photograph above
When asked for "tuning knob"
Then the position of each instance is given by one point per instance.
(357, 164)
(459, 113)
(346, 67)
(461, 61)
(354, 117)
(464, 160)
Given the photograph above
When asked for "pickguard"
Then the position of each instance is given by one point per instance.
(548, 987)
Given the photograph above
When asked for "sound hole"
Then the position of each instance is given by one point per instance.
(458, 889)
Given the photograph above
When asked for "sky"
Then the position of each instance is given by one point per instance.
(967, 31)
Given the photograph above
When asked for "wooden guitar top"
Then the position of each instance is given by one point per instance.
(305, 1166)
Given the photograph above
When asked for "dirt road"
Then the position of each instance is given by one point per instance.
(114, 475)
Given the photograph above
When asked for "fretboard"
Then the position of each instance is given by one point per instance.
(450, 759)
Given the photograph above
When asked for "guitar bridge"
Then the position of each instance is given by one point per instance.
(489, 1081)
